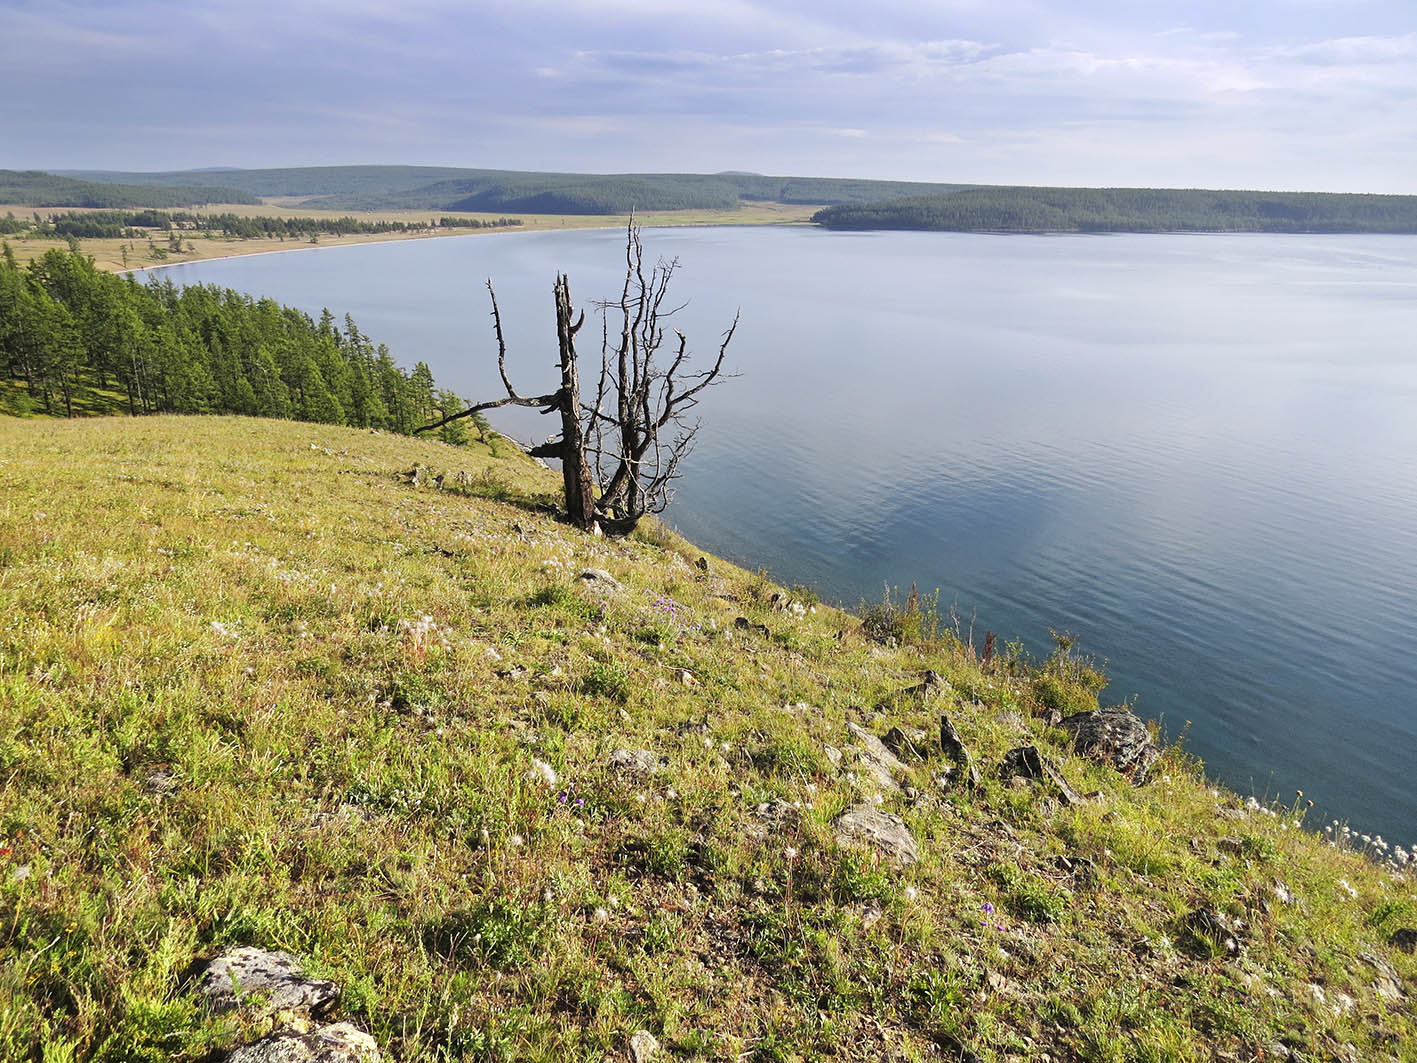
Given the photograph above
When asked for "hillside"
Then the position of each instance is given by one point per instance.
(1022, 209)
(453, 189)
(35, 189)
(257, 688)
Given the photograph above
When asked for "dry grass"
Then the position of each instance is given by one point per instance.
(257, 689)
(108, 254)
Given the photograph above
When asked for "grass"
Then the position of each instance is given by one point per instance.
(256, 689)
(108, 254)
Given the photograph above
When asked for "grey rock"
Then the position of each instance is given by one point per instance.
(1388, 983)
(636, 763)
(340, 1043)
(953, 747)
(1117, 737)
(886, 833)
(271, 982)
(907, 743)
(1404, 939)
(1026, 762)
(600, 578)
(833, 754)
(878, 761)
(417, 476)
(643, 1047)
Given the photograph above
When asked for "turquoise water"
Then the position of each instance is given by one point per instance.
(1196, 453)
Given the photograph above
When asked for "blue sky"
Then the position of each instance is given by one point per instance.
(1293, 94)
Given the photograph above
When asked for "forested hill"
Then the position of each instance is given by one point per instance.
(447, 188)
(75, 340)
(34, 188)
(1022, 209)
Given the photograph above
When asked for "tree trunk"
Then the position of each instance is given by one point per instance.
(575, 470)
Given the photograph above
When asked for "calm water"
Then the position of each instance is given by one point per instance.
(1197, 453)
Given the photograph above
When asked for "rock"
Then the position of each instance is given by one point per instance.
(643, 1047)
(160, 782)
(340, 1043)
(701, 564)
(953, 747)
(1117, 737)
(885, 833)
(833, 754)
(1404, 939)
(1233, 846)
(417, 476)
(878, 761)
(636, 763)
(742, 623)
(930, 685)
(1026, 762)
(272, 981)
(600, 578)
(906, 743)
(1388, 983)
(1216, 927)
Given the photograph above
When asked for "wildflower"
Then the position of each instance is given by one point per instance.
(517, 839)
(789, 853)
(602, 916)
(1343, 885)
(987, 908)
(910, 893)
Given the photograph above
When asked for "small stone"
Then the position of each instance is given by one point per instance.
(1388, 983)
(636, 762)
(643, 1047)
(907, 743)
(1216, 927)
(884, 832)
(339, 1043)
(274, 979)
(833, 754)
(600, 578)
(953, 747)
(879, 761)
(1028, 763)
(1233, 846)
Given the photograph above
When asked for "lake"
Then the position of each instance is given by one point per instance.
(1196, 453)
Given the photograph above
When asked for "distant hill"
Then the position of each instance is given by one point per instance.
(35, 188)
(449, 188)
(1022, 209)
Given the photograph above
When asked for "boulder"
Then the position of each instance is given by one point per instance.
(886, 833)
(1117, 737)
(907, 743)
(340, 1043)
(269, 983)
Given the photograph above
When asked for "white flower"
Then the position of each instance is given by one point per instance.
(910, 893)
(1343, 885)
(789, 853)
(601, 915)
(517, 839)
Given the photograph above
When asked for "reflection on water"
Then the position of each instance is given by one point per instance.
(1198, 453)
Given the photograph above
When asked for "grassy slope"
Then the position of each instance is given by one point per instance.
(256, 689)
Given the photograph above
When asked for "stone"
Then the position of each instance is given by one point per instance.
(878, 761)
(417, 476)
(600, 578)
(643, 1047)
(702, 564)
(1388, 983)
(742, 623)
(882, 831)
(271, 982)
(636, 763)
(339, 1043)
(833, 754)
(953, 747)
(1115, 736)
(907, 743)
(1216, 927)
(1404, 939)
(1026, 762)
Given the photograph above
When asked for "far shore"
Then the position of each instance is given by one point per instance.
(108, 254)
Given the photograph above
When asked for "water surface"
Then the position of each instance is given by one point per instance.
(1197, 453)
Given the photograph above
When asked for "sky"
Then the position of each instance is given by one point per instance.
(1274, 94)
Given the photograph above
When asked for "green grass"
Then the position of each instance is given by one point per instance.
(257, 689)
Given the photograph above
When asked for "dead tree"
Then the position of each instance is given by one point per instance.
(636, 429)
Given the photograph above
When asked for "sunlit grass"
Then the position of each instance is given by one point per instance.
(255, 688)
